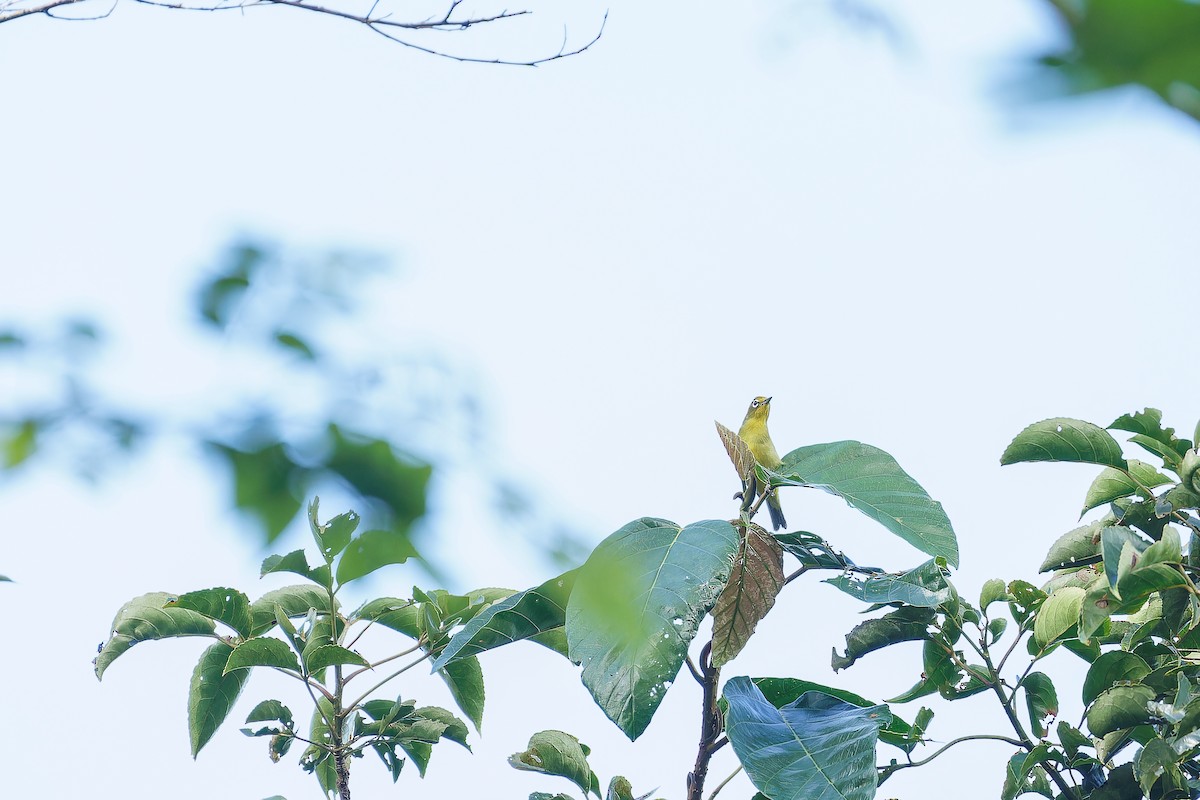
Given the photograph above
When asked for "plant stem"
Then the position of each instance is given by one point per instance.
(710, 725)
(722, 784)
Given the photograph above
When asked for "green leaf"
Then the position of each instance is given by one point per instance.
(1156, 760)
(212, 694)
(465, 679)
(262, 652)
(296, 601)
(265, 483)
(271, 711)
(334, 535)
(811, 550)
(524, 615)
(143, 619)
(1058, 614)
(371, 550)
(1076, 547)
(1149, 430)
(555, 753)
(1113, 483)
(871, 481)
(376, 470)
(780, 692)
(290, 341)
(228, 606)
(754, 582)
(1062, 439)
(818, 748)
(1022, 777)
(637, 604)
(1120, 707)
(1041, 700)
(906, 624)
(1110, 669)
(923, 586)
(296, 563)
(328, 655)
(994, 589)
(18, 443)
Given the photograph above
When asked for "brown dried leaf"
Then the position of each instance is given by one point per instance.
(754, 582)
(739, 453)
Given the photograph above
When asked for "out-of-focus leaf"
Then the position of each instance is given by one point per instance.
(1062, 439)
(220, 296)
(212, 694)
(637, 604)
(376, 470)
(19, 442)
(294, 343)
(818, 748)
(754, 582)
(906, 624)
(266, 483)
(871, 481)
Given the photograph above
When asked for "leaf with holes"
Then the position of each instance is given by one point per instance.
(1062, 439)
(754, 583)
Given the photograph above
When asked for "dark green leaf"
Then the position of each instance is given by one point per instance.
(1062, 439)
(906, 624)
(1076, 547)
(1021, 777)
(227, 606)
(290, 341)
(1041, 700)
(375, 470)
(924, 586)
(555, 753)
(637, 604)
(212, 694)
(266, 481)
(871, 481)
(400, 615)
(465, 679)
(1119, 707)
(524, 615)
(754, 582)
(818, 748)
(271, 711)
(1156, 760)
(371, 550)
(262, 652)
(811, 550)
(143, 619)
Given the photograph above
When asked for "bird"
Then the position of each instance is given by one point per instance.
(756, 436)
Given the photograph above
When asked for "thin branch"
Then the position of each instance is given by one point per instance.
(721, 785)
(381, 662)
(42, 8)
(695, 672)
(890, 768)
(398, 672)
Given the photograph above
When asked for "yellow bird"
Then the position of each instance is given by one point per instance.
(756, 436)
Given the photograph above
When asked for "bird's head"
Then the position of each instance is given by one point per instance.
(760, 408)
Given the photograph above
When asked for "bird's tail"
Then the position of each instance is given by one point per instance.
(777, 520)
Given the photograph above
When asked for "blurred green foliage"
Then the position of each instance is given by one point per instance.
(1153, 44)
(325, 418)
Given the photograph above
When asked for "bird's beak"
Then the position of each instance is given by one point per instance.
(768, 401)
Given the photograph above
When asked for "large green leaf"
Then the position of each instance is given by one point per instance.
(924, 586)
(1058, 615)
(529, 614)
(637, 604)
(212, 694)
(465, 679)
(754, 582)
(1110, 669)
(371, 550)
(871, 481)
(145, 618)
(1062, 439)
(228, 606)
(817, 748)
(1120, 707)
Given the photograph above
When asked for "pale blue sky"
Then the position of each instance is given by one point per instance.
(715, 203)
